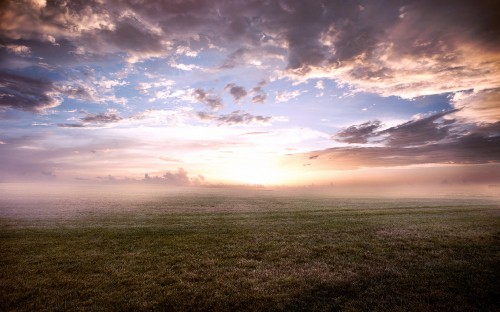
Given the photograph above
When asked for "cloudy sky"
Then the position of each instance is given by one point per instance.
(250, 92)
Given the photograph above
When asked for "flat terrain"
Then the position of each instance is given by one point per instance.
(247, 250)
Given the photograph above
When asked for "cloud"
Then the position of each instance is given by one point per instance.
(483, 106)
(87, 85)
(237, 92)
(259, 86)
(90, 28)
(136, 31)
(101, 118)
(421, 131)
(179, 178)
(242, 118)
(418, 49)
(259, 98)
(236, 58)
(18, 49)
(170, 159)
(285, 96)
(205, 116)
(214, 102)
(358, 133)
(407, 49)
(145, 87)
(34, 19)
(79, 91)
(27, 93)
(236, 118)
(93, 120)
(258, 55)
(479, 145)
(181, 66)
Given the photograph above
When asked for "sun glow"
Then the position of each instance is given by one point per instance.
(257, 170)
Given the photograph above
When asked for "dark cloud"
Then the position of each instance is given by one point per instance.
(127, 36)
(92, 120)
(414, 132)
(259, 98)
(315, 32)
(242, 118)
(235, 58)
(214, 102)
(205, 116)
(356, 28)
(358, 133)
(237, 92)
(101, 118)
(235, 118)
(259, 86)
(480, 145)
(27, 93)
(404, 48)
(420, 131)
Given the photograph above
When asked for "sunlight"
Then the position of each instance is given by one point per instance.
(256, 171)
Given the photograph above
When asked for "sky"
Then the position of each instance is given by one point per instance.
(250, 92)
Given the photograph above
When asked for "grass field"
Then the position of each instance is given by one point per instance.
(255, 250)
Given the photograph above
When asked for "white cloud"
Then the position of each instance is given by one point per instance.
(144, 87)
(482, 106)
(109, 84)
(285, 96)
(186, 51)
(18, 49)
(185, 67)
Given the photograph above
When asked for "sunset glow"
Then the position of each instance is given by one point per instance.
(250, 92)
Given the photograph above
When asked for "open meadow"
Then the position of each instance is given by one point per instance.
(257, 250)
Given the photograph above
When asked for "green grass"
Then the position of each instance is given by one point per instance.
(267, 252)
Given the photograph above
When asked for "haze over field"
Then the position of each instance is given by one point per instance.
(354, 93)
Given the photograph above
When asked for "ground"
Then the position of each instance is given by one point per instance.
(249, 250)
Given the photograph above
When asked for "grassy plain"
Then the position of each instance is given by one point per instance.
(252, 250)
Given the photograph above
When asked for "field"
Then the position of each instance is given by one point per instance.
(250, 250)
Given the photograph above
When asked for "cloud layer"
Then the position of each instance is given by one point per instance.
(408, 49)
